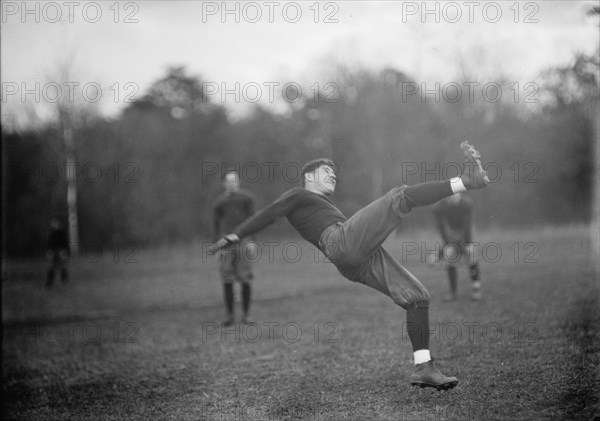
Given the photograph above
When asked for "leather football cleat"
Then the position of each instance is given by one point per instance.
(427, 375)
(473, 176)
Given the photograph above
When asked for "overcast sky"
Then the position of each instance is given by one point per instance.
(273, 43)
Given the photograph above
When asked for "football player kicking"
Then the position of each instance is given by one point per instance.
(354, 245)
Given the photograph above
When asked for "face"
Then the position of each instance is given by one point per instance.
(231, 182)
(323, 179)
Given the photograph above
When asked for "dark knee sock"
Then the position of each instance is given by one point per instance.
(424, 194)
(452, 277)
(246, 296)
(474, 270)
(417, 322)
(228, 288)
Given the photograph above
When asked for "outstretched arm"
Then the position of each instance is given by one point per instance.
(258, 221)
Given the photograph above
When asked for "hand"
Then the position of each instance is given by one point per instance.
(451, 253)
(222, 243)
(212, 249)
(432, 259)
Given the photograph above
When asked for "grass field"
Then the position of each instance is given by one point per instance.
(136, 336)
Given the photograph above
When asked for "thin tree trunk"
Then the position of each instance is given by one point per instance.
(71, 189)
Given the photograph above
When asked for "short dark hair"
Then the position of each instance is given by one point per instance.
(310, 166)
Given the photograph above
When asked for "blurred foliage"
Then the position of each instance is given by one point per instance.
(149, 176)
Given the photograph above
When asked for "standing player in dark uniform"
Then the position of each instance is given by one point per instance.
(354, 245)
(229, 210)
(454, 219)
(57, 252)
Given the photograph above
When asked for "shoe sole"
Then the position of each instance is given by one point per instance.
(439, 387)
(474, 155)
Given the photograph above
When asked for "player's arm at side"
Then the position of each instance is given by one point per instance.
(260, 220)
(65, 250)
(216, 219)
(249, 204)
(441, 223)
(249, 207)
(469, 224)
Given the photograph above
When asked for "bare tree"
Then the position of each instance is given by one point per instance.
(69, 113)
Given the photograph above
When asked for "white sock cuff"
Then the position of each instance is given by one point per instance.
(422, 356)
(457, 185)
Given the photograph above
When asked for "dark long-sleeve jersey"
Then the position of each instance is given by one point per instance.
(58, 239)
(454, 219)
(309, 213)
(231, 209)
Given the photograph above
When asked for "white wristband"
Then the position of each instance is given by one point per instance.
(457, 185)
(232, 238)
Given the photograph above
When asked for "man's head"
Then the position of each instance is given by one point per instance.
(319, 176)
(231, 181)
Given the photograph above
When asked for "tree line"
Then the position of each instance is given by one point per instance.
(150, 174)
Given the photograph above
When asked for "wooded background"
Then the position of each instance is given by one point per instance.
(150, 174)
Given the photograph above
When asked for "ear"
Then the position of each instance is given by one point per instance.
(310, 176)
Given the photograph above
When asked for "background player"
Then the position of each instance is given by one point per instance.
(57, 252)
(454, 219)
(354, 245)
(232, 207)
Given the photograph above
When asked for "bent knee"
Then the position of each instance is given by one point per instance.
(422, 299)
(414, 296)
